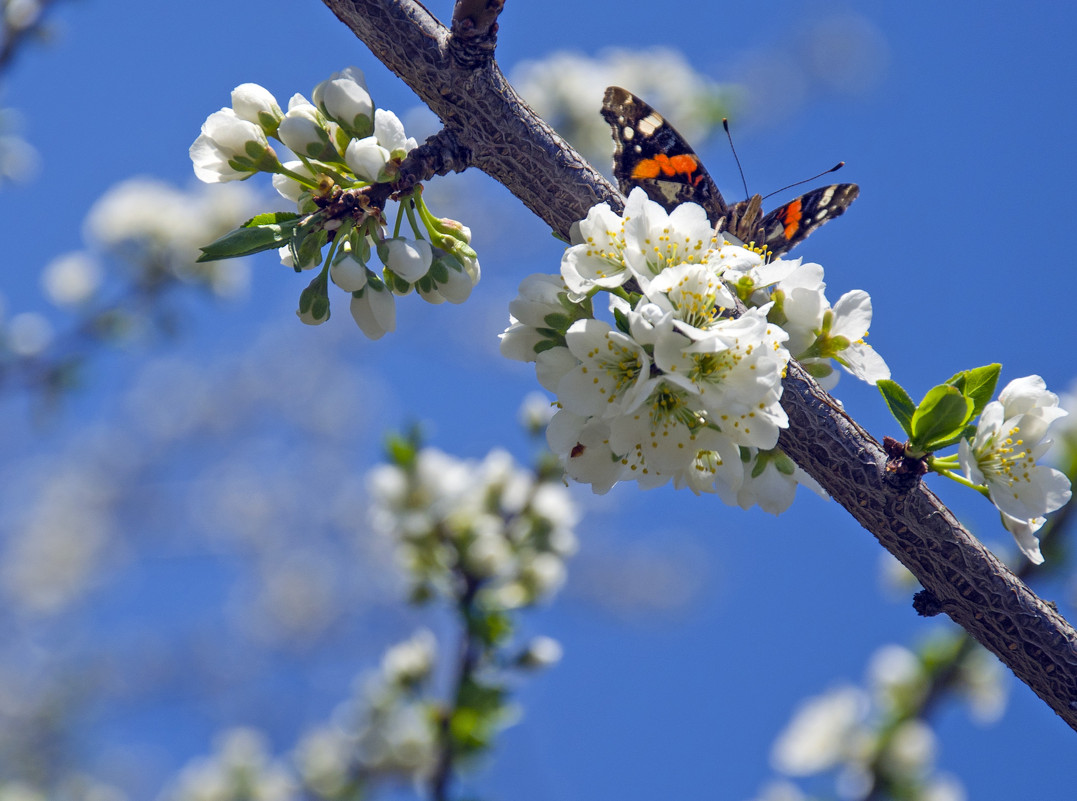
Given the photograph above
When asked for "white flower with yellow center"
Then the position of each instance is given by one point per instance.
(583, 443)
(694, 294)
(655, 240)
(596, 258)
(1010, 438)
(736, 374)
(611, 376)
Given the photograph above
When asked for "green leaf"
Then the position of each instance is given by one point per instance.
(491, 628)
(270, 218)
(899, 402)
(939, 444)
(403, 450)
(251, 238)
(940, 417)
(978, 384)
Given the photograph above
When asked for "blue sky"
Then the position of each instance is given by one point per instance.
(962, 147)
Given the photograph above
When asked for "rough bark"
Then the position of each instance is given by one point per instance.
(455, 74)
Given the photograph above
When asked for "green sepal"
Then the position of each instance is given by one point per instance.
(264, 232)
(398, 285)
(899, 402)
(315, 298)
(557, 321)
(940, 419)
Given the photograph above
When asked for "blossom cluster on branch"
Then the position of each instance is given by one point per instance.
(680, 386)
(344, 148)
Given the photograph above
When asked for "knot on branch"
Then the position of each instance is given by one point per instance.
(440, 154)
(473, 36)
(902, 471)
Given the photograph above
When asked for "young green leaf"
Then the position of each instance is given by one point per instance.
(270, 218)
(978, 385)
(901, 405)
(940, 417)
(249, 239)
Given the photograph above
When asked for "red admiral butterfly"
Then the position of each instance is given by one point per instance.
(649, 153)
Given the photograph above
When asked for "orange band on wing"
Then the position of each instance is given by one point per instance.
(682, 165)
(791, 218)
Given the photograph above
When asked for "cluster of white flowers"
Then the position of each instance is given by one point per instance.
(241, 768)
(490, 522)
(678, 387)
(387, 730)
(342, 145)
(873, 734)
(146, 231)
(1012, 434)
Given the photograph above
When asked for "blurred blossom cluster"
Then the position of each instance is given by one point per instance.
(156, 230)
(345, 150)
(386, 732)
(240, 769)
(678, 388)
(485, 538)
(491, 524)
(142, 240)
(19, 160)
(566, 89)
(875, 740)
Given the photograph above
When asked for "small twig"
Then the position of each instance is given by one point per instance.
(465, 667)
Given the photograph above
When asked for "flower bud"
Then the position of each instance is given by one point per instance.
(374, 308)
(303, 130)
(389, 132)
(230, 148)
(314, 302)
(411, 661)
(256, 104)
(368, 160)
(541, 652)
(348, 272)
(410, 259)
(344, 99)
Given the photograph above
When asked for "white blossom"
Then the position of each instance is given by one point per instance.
(367, 159)
(1011, 436)
(71, 279)
(303, 129)
(345, 99)
(256, 104)
(410, 259)
(374, 310)
(228, 147)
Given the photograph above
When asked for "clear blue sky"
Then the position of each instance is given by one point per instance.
(963, 151)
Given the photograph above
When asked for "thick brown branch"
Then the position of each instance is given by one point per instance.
(510, 143)
(506, 138)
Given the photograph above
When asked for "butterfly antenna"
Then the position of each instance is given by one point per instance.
(835, 168)
(729, 136)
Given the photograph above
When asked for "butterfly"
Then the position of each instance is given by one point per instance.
(649, 153)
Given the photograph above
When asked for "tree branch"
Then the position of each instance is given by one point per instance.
(455, 74)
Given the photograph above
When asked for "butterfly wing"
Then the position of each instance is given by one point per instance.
(785, 227)
(649, 153)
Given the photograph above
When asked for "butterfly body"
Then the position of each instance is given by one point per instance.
(649, 153)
